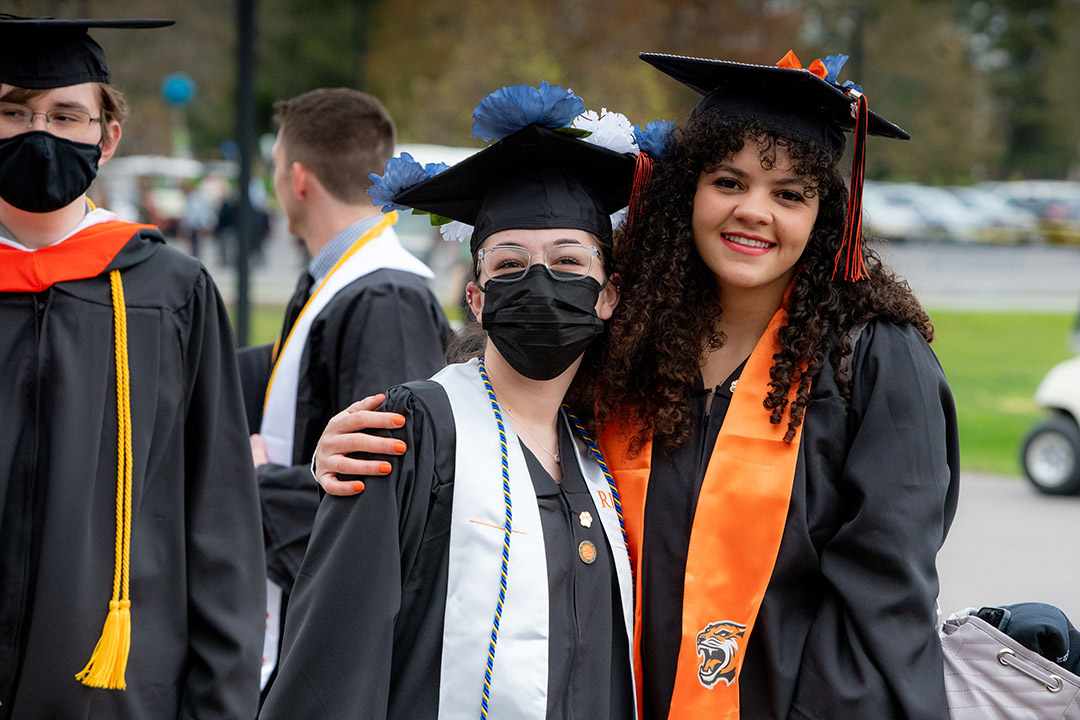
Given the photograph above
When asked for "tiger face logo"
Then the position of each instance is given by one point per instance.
(717, 645)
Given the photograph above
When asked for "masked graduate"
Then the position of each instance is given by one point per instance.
(782, 435)
(131, 573)
(492, 576)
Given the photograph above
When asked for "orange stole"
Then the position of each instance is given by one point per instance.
(739, 521)
(85, 254)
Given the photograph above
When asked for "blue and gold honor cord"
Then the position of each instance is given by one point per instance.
(507, 529)
(599, 457)
(508, 526)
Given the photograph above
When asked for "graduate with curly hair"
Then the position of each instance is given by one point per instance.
(782, 436)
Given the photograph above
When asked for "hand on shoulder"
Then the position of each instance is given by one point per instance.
(344, 437)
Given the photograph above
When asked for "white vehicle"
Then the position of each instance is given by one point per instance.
(1000, 220)
(1051, 450)
(942, 216)
(888, 219)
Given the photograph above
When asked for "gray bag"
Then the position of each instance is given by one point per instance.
(990, 676)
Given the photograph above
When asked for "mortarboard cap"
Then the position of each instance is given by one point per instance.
(535, 178)
(45, 53)
(789, 98)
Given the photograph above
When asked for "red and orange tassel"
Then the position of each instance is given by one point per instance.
(850, 252)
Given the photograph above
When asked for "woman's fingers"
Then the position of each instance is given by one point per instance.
(343, 436)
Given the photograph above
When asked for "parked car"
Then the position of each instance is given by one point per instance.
(943, 216)
(1000, 219)
(1056, 203)
(890, 220)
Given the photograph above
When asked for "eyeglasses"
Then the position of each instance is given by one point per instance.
(65, 122)
(506, 263)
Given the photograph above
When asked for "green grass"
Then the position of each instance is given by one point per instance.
(993, 362)
(266, 321)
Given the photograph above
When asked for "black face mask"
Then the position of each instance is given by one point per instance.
(40, 172)
(539, 324)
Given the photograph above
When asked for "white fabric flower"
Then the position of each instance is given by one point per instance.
(455, 230)
(609, 129)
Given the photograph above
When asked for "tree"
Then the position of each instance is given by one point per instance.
(911, 58)
(1026, 52)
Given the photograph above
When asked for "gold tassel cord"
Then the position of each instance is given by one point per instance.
(108, 662)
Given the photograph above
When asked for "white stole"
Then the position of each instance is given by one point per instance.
(383, 252)
(377, 249)
(520, 675)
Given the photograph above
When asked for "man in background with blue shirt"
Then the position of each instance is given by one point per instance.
(361, 320)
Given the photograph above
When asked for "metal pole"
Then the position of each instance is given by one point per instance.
(360, 34)
(245, 138)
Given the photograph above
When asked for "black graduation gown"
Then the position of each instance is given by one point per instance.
(381, 330)
(363, 635)
(846, 630)
(197, 588)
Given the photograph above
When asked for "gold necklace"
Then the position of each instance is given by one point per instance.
(554, 455)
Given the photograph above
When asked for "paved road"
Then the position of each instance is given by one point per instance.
(990, 277)
(1011, 544)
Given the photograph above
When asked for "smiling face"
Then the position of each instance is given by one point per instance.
(751, 223)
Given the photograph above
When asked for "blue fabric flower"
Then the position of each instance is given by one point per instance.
(401, 173)
(510, 109)
(655, 138)
(833, 65)
(433, 169)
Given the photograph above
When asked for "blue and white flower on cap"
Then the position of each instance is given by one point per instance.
(510, 109)
(655, 138)
(607, 129)
(401, 173)
(456, 231)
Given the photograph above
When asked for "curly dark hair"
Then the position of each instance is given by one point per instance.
(666, 319)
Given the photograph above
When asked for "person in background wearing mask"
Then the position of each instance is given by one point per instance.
(131, 574)
(492, 575)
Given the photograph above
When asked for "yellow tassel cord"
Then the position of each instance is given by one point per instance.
(109, 659)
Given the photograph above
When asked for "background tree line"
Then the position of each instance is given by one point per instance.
(987, 88)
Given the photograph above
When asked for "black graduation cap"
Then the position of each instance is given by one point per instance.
(44, 53)
(535, 178)
(792, 99)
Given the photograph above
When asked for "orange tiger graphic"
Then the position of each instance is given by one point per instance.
(718, 644)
